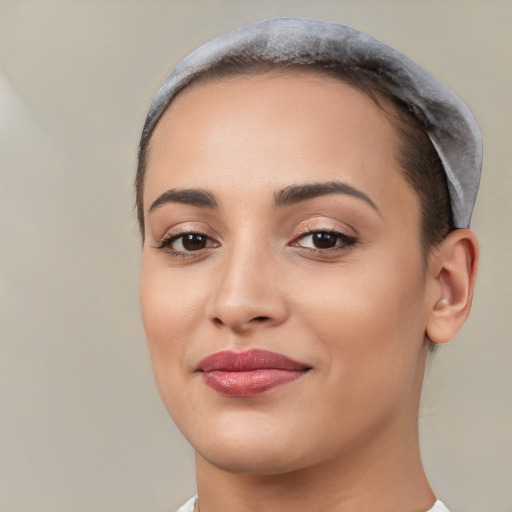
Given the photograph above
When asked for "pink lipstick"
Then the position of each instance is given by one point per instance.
(249, 373)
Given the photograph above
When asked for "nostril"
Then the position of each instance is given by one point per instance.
(240, 324)
(261, 318)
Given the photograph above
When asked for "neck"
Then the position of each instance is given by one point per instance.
(388, 477)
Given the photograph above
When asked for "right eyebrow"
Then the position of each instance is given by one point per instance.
(191, 196)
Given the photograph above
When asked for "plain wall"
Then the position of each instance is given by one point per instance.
(81, 424)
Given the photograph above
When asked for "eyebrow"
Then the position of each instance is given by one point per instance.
(297, 193)
(191, 196)
(285, 197)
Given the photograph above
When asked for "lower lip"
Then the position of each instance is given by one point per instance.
(249, 383)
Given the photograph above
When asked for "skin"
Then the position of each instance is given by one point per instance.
(343, 437)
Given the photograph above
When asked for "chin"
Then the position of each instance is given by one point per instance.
(251, 460)
(250, 445)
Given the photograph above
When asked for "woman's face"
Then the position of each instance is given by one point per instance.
(283, 286)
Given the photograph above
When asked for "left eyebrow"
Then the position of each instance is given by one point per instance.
(191, 196)
(297, 193)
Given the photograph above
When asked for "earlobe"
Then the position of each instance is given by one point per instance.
(452, 272)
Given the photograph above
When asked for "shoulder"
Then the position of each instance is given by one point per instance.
(439, 506)
(189, 506)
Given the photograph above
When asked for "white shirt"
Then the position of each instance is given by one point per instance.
(189, 506)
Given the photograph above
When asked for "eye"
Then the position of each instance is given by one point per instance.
(184, 243)
(325, 240)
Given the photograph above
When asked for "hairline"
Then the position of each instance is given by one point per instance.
(382, 97)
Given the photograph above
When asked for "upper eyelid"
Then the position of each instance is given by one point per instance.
(183, 228)
(166, 241)
(172, 234)
(314, 224)
(318, 224)
(339, 233)
(169, 236)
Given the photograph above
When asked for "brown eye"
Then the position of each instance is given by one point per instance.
(193, 242)
(324, 240)
(187, 243)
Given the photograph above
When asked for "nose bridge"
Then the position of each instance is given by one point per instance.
(248, 293)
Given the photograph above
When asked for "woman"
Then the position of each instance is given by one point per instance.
(304, 194)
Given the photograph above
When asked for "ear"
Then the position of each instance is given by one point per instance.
(452, 272)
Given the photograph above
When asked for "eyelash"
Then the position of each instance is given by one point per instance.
(166, 243)
(345, 242)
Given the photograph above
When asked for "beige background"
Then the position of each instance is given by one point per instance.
(81, 425)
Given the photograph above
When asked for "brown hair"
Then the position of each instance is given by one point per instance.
(422, 166)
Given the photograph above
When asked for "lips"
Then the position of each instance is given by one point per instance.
(249, 373)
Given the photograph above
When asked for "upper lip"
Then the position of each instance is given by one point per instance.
(249, 360)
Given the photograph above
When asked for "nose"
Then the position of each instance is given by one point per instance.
(249, 294)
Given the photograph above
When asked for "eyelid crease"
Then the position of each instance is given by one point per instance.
(327, 225)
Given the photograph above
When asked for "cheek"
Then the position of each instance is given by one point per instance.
(370, 318)
(171, 309)
(374, 349)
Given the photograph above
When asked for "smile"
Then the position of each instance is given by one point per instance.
(249, 373)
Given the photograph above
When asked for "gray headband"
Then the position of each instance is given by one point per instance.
(450, 124)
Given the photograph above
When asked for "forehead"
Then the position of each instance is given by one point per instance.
(286, 93)
(269, 130)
